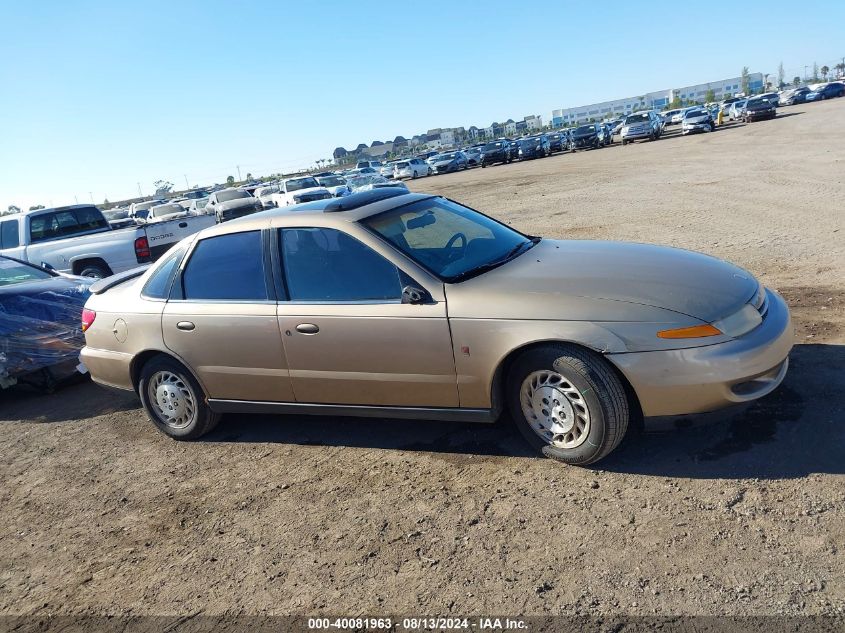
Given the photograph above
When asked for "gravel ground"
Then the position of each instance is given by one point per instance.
(741, 512)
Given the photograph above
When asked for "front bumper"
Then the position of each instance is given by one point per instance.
(637, 135)
(700, 379)
(756, 116)
(587, 141)
(696, 127)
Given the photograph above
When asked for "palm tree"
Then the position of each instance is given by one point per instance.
(824, 69)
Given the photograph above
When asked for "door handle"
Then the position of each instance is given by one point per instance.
(185, 325)
(307, 328)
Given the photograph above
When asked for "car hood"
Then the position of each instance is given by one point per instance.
(238, 203)
(443, 163)
(697, 119)
(603, 281)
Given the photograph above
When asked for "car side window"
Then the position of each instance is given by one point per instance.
(327, 265)
(227, 267)
(158, 284)
(9, 234)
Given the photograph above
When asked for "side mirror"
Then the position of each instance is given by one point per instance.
(414, 295)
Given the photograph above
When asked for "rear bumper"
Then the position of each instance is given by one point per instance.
(108, 368)
(700, 379)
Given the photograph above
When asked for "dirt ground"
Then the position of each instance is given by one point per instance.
(741, 512)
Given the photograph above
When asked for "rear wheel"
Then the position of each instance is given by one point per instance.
(95, 271)
(174, 400)
(568, 403)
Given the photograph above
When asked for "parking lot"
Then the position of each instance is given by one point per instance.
(741, 512)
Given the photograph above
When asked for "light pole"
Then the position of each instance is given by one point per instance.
(805, 73)
(239, 172)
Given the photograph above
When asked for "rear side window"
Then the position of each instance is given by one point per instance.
(227, 267)
(9, 234)
(58, 224)
(158, 285)
(326, 265)
(90, 219)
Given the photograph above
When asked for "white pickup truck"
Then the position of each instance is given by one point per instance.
(78, 240)
(296, 190)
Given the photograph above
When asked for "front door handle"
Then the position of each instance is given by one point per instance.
(307, 328)
(185, 325)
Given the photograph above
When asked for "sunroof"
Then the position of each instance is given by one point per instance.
(364, 198)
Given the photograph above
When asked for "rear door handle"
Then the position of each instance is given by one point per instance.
(185, 325)
(307, 328)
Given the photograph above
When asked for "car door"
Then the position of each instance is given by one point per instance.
(348, 336)
(221, 320)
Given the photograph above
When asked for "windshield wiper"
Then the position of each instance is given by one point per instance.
(483, 268)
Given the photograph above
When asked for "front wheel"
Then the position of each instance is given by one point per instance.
(174, 400)
(568, 403)
(95, 271)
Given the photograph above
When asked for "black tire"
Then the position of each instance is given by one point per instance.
(602, 392)
(203, 419)
(624, 142)
(483, 165)
(95, 271)
(414, 174)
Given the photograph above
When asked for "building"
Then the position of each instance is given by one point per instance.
(533, 122)
(653, 100)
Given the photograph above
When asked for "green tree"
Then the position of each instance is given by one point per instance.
(230, 181)
(162, 187)
(825, 70)
(35, 207)
(249, 176)
(781, 76)
(796, 81)
(744, 80)
(13, 209)
(709, 96)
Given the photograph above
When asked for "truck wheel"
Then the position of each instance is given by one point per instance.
(95, 271)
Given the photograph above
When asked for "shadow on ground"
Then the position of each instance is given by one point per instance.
(797, 430)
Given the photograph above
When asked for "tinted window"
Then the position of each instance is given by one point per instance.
(49, 226)
(328, 265)
(90, 218)
(9, 234)
(227, 267)
(158, 284)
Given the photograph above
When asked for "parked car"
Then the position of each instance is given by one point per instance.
(759, 108)
(140, 210)
(40, 334)
(358, 171)
(473, 156)
(587, 136)
(641, 125)
(697, 120)
(336, 185)
(164, 212)
(448, 162)
(669, 115)
(828, 91)
(496, 152)
(771, 97)
(557, 141)
(794, 97)
(411, 168)
(198, 206)
(397, 184)
(304, 189)
(677, 117)
(736, 111)
(230, 204)
(386, 169)
(533, 147)
(375, 165)
(265, 195)
(119, 218)
(363, 181)
(496, 320)
(725, 104)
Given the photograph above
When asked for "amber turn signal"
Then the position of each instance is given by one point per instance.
(696, 331)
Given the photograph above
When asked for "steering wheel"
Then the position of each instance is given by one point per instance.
(454, 239)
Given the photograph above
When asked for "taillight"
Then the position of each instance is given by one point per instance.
(88, 317)
(142, 249)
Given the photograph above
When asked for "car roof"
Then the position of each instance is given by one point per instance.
(329, 212)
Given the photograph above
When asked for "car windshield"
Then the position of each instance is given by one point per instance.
(449, 240)
(490, 147)
(227, 196)
(165, 209)
(585, 129)
(12, 272)
(295, 184)
(637, 118)
(196, 194)
(331, 181)
(756, 102)
(528, 142)
(445, 157)
(692, 113)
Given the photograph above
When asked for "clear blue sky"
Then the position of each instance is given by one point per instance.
(98, 96)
